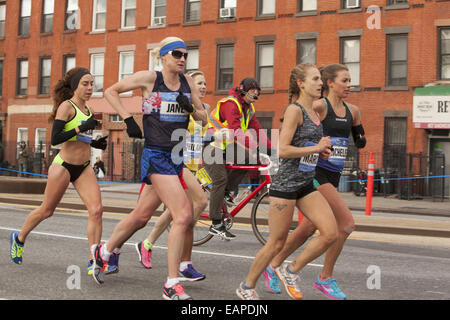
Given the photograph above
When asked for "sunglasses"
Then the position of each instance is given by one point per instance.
(178, 54)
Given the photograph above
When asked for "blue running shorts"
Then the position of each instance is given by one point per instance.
(154, 161)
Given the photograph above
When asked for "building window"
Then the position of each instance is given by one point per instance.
(22, 77)
(192, 60)
(69, 62)
(71, 22)
(264, 66)
(225, 67)
(397, 56)
(393, 2)
(192, 10)
(307, 5)
(39, 141)
(115, 118)
(266, 7)
(24, 20)
(158, 13)
(444, 53)
(99, 15)
(45, 70)
(97, 70)
(2, 19)
(126, 66)
(47, 16)
(394, 141)
(350, 56)
(128, 13)
(306, 51)
(22, 135)
(351, 4)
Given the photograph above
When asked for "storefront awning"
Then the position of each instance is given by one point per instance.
(431, 107)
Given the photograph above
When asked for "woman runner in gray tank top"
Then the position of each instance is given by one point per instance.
(300, 145)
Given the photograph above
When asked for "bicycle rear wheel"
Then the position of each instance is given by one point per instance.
(260, 217)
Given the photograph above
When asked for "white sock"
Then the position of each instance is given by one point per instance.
(116, 250)
(105, 253)
(184, 265)
(171, 282)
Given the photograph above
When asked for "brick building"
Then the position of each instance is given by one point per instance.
(392, 47)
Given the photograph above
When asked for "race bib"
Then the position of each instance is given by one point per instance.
(165, 104)
(308, 163)
(339, 153)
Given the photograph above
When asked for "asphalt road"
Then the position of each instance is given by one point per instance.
(371, 266)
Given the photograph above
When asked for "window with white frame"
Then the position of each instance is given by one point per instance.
(99, 15)
(24, 19)
(39, 141)
(158, 16)
(45, 70)
(307, 5)
(397, 60)
(350, 57)
(192, 10)
(22, 135)
(126, 66)
(444, 53)
(47, 16)
(192, 60)
(22, 77)
(69, 62)
(71, 22)
(115, 118)
(153, 64)
(266, 7)
(97, 70)
(225, 67)
(264, 68)
(228, 3)
(2, 19)
(306, 51)
(128, 13)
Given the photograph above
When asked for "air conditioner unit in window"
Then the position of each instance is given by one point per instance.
(349, 4)
(159, 21)
(227, 12)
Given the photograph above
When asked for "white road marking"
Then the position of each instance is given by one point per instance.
(133, 244)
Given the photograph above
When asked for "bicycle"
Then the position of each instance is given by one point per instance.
(201, 229)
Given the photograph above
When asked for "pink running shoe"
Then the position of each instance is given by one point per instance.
(145, 256)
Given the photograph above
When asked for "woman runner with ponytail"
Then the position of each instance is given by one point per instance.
(339, 119)
(73, 122)
(300, 144)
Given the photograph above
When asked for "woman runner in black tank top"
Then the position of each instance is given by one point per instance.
(336, 80)
(172, 109)
(305, 84)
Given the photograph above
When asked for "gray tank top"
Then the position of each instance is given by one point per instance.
(295, 173)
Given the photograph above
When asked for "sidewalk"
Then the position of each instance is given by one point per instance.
(389, 215)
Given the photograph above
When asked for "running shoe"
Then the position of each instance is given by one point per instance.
(90, 267)
(145, 256)
(221, 231)
(272, 280)
(15, 249)
(113, 263)
(330, 288)
(290, 281)
(175, 293)
(190, 274)
(99, 266)
(246, 294)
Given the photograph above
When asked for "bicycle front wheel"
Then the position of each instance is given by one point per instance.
(260, 216)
